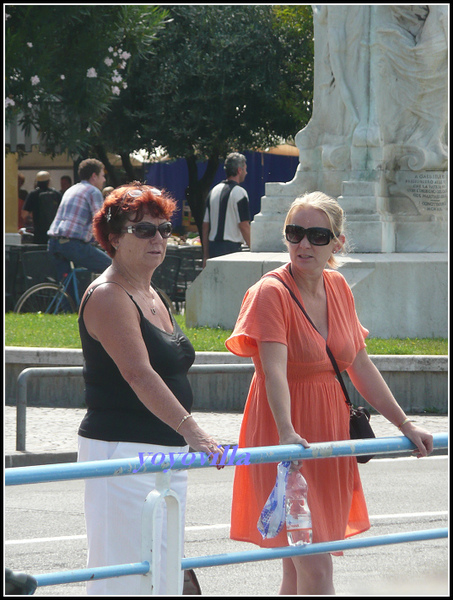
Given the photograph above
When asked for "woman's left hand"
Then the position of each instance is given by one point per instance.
(420, 437)
(371, 385)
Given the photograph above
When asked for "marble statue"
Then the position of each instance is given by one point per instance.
(377, 139)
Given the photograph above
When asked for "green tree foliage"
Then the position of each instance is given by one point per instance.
(198, 80)
(221, 78)
(67, 64)
(294, 26)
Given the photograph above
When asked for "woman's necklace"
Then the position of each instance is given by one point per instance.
(153, 307)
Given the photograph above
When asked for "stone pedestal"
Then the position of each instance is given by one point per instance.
(419, 208)
(396, 294)
(267, 225)
(368, 229)
(413, 219)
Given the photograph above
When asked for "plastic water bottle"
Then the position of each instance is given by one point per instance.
(298, 516)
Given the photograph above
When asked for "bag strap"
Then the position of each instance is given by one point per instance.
(328, 350)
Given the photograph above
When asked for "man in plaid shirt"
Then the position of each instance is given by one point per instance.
(71, 233)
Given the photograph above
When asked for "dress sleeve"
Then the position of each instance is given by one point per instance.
(263, 318)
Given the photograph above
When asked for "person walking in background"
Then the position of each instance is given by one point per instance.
(65, 183)
(41, 206)
(106, 191)
(71, 232)
(226, 223)
(294, 396)
(21, 197)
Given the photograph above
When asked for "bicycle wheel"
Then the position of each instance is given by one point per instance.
(46, 298)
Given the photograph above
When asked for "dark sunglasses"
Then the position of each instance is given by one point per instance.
(148, 230)
(318, 236)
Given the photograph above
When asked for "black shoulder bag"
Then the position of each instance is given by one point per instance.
(359, 421)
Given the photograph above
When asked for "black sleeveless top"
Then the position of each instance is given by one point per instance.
(115, 414)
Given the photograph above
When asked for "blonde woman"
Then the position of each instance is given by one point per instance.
(295, 398)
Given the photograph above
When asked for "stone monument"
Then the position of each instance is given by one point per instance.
(377, 141)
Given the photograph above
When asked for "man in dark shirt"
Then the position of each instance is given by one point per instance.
(226, 224)
(41, 204)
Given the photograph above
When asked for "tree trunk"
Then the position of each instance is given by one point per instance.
(128, 167)
(198, 189)
(110, 169)
(75, 169)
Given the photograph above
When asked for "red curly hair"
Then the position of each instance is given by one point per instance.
(124, 204)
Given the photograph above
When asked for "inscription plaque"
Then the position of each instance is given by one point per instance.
(428, 190)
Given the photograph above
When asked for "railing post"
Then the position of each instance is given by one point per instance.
(21, 397)
(22, 383)
(151, 542)
(21, 410)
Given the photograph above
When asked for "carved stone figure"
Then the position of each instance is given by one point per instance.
(377, 139)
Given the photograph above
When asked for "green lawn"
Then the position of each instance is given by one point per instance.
(61, 331)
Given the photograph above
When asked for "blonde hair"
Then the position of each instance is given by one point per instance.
(333, 211)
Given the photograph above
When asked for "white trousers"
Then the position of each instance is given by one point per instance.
(113, 511)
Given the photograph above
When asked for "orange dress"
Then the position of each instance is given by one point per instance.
(318, 409)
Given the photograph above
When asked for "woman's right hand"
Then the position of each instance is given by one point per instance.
(200, 441)
(294, 438)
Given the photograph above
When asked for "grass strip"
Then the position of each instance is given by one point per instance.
(61, 331)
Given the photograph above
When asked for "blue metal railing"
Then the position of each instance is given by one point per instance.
(263, 454)
(231, 558)
(266, 454)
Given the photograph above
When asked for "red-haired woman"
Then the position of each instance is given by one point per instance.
(137, 392)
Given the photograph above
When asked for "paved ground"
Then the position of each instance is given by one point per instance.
(52, 432)
(47, 533)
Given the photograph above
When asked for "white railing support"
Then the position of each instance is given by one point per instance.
(152, 537)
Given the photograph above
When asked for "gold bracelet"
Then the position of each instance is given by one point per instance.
(406, 420)
(182, 421)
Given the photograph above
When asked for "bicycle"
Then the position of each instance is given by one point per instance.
(51, 298)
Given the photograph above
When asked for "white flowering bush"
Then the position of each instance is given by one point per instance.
(66, 64)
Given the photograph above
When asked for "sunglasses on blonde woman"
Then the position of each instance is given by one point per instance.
(148, 230)
(318, 236)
